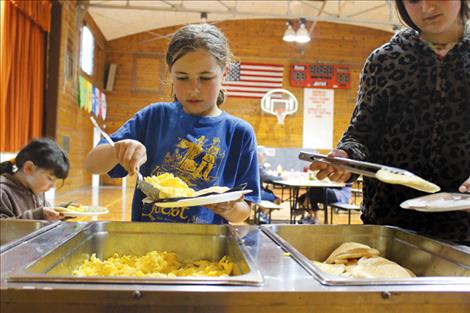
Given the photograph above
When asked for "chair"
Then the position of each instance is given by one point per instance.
(345, 207)
(357, 190)
(267, 206)
(356, 195)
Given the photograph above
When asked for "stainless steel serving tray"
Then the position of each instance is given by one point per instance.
(432, 261)
(16, 231)
(189, 241)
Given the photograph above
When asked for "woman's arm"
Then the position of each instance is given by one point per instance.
(368, 119)
(365, 127)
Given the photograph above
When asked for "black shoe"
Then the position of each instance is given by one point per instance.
(309, 220)
(263, 218)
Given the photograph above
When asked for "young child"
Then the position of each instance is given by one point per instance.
(24, 180)
(313, 196)
(413, 112)
(190, 137)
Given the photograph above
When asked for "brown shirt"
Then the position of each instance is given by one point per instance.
(17, 201)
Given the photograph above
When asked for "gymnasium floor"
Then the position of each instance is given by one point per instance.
(118, 201)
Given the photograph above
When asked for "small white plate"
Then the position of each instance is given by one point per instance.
(439, 202)
(203, 200)
(90, 210)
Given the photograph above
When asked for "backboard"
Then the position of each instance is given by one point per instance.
(279, 102)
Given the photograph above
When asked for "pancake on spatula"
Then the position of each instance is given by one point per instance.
(411, 181)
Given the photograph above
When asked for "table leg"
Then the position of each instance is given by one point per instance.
(295, 201)
(291, 205)
(325, 204)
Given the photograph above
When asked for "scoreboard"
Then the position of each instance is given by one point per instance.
(329, 76)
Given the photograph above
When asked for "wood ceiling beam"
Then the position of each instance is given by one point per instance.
(235, 13)
(368, 10)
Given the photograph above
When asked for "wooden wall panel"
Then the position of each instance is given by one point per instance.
(147, 73)
(251, 40)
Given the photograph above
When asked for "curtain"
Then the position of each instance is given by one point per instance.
(23, 46)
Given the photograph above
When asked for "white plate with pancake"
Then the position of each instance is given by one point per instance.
(204, 200)
(439, 202)
(85, 210)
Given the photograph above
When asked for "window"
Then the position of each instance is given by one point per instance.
(87, 47)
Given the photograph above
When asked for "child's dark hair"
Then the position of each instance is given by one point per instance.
(405, 17)
(195, 36)
(44, 153)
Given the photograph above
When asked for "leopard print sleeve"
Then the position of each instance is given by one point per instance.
(362, 135)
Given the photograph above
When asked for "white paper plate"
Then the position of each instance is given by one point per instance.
(223, 197)
(439, 202)
(90, 210)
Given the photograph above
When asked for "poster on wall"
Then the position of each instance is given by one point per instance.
(318, 118)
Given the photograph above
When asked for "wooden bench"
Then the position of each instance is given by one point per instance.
(345, 207)
(265, 205)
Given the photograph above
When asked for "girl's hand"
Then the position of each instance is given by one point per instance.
(223, 207)
(334, 173)
(465, 187)
(233, 211)
(51, 214)
(131, 154)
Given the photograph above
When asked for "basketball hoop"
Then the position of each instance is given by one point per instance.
(279, 102)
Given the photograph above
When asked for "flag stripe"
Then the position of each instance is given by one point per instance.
(258, 64)
(261, 68)
(249, 94)
(252, 79)
(260, 74)
(250, 83)
(257, 89)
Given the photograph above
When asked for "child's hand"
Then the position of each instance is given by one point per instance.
(233, 211)
(131, 154)
(465, 187)
(51, 214)
(223, 208)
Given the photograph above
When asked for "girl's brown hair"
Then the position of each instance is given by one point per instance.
(195, 36)
(405, 17)
(44, 153)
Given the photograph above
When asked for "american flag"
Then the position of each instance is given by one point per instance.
(252, 80)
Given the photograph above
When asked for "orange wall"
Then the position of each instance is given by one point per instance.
(251, 40)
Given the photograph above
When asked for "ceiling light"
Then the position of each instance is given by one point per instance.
(396, 28)
(289, 34)
(203, 17)
(302, 35)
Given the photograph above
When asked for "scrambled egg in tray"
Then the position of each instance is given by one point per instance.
(154, 263)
